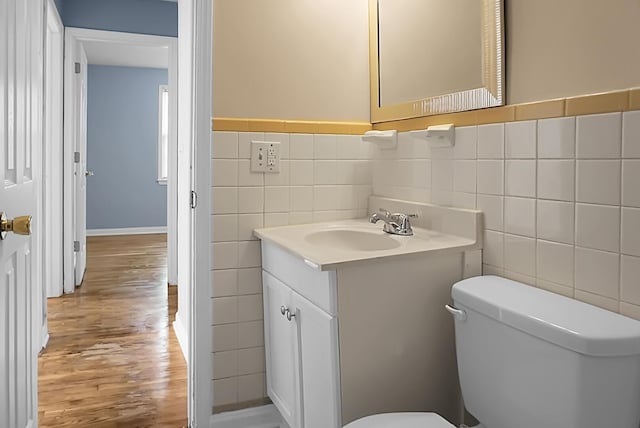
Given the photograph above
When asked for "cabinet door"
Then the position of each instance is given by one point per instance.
(280, 350)
(317, 337)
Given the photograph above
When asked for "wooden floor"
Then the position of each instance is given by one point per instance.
(113, 359)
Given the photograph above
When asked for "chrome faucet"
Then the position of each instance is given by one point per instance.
(396, 223)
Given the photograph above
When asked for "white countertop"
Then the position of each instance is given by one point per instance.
(328, 251)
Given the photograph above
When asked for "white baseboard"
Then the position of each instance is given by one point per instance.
(44, 335)
(183, 338)
(127, 231)
(255, 417)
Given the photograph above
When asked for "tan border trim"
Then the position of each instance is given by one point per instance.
(224, 124)
(540, 110)
(575, 106)
(290, 126)
(597, 103)
(634, 99)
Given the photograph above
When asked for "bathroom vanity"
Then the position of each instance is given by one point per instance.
(354, 317)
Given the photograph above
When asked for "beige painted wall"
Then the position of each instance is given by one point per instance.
(304, 59)
(571, 47)
(291, 59)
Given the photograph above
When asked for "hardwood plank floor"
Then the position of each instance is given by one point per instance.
(113, 359)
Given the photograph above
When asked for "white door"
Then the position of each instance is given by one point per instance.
(317, 339)
(80, 169)
(281, 350)
(52, 154)
(21, 74)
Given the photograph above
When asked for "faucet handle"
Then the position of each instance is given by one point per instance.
(385, 212)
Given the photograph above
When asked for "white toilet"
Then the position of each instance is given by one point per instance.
(532, 359)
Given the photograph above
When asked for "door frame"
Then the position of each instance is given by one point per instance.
(200, 394)
(200, 343)
(72, 36)
(49, 267)
(52, 156)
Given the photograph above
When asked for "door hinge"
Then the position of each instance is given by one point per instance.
(76, 157)
(194, 199)
(77, 68)
(76, 246)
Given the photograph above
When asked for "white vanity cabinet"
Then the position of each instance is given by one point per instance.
(301, 342)
(354, 318)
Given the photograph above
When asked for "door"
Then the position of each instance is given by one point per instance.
(21, 105)
(80, 166)
(52, 154)
(281, 350)
(317, 338)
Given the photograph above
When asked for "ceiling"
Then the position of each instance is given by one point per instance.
(126, 55)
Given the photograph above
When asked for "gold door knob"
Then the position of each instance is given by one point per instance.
(19, 225)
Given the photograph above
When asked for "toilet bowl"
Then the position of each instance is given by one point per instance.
(558, 362)
(401, 420)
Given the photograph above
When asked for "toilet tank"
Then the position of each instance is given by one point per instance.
(528, 358)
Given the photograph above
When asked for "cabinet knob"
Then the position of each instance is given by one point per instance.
(290, 315)
(283, 310)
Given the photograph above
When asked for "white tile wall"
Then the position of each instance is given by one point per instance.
(322, 177)
(493, 249)
(556, 179)
(520, 216)
(407, 171)
(301, 146)
(630, 272)
(464, 176)
(599, 136)
(631, 182)
(556, 220)
(630, 231)
(493, 209)
(557, 138)
(597, 272)
(520, 140)
(561, 200)
(491, 177)
(520, 255)
(491, 141)
(555, 263)
(466, 143)
(520, 178)
(598, 227)
(598, 181)
(631, 134)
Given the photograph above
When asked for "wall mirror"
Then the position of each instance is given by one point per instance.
(435, 56)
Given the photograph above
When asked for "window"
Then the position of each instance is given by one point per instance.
(163, 134)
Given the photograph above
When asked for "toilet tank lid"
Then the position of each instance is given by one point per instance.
(560, 320)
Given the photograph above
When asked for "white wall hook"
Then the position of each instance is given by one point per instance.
(437, 135)
(383, 139)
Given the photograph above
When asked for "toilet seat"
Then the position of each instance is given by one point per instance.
(401, 420)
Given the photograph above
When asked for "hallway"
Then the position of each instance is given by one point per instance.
(113, 359)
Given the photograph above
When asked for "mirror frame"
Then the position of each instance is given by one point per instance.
(490, 94)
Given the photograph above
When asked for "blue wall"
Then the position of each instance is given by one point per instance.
(59, 6)
(122, 139)
(155, 17)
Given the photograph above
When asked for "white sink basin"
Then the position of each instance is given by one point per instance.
(354, 240)
(328, 245)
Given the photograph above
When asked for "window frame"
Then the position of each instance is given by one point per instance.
(163, 150)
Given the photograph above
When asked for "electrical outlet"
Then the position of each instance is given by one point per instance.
(265, 156)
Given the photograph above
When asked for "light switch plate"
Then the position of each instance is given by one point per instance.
(265, 156)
